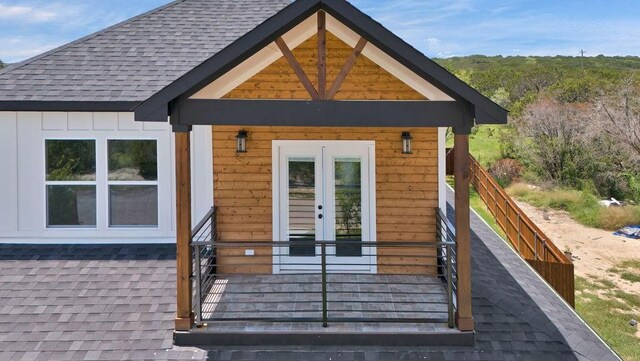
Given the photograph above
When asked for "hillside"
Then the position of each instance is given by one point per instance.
(517, 81)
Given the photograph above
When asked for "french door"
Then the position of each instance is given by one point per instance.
(324, 192)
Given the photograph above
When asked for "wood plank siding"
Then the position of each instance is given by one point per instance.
(406, 185)
(365, 81)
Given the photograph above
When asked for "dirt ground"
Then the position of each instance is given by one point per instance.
(594, 250)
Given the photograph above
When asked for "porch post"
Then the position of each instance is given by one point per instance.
(184, 317)
(464, 318)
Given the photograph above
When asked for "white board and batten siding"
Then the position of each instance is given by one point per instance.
(22, 176)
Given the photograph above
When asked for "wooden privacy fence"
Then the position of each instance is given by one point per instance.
(525, 237)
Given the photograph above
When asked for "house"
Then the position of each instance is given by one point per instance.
(294, 152)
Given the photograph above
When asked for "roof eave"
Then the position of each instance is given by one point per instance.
(67, 106)
(487, 111)
(157, 105)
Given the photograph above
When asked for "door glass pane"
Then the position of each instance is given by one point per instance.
(133, 160)
(133, 206)
(71, 160)
(71, 206)
(348, 210)
(302, 200)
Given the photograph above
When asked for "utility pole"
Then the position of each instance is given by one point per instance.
(582, 52)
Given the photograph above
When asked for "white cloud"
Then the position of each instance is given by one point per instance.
(16, 49)
(25, 13)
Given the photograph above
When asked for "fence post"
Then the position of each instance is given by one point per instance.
(507, 222)
(535, 245)
(519, 236)
(323, 247)
(495, 200)
(450, 287)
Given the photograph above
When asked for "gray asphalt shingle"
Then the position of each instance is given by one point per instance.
(117, 302)
(134, 59)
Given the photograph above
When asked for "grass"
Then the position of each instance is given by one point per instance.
(582, 206)
(630, 263)
(627, 270)
(608, 311)
(476, 203)
(631, 277)
(484, 145)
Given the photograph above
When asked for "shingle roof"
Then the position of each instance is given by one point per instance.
(118, 302)
(134, 59)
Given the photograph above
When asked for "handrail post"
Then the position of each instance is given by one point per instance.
(323, 248)
(198, 264)
(450, 287)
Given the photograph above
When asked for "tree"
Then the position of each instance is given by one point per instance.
(552, 140)
(618, 115)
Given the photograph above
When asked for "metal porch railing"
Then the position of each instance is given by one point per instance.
(323, 281)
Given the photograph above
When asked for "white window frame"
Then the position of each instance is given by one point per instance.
(109, 183)
(48, 183)
(102, 184)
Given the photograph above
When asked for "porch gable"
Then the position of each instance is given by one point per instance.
(165, 102)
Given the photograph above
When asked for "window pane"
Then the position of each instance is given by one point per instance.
(348, 207)
(302, 204)
(133, 160)
(133, 206)
(71, 206)
(71, 160)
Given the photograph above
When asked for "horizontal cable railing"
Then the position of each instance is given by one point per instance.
(203, 274)
(324, 281)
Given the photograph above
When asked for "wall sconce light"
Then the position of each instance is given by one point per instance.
(241, 140)
(406, 143)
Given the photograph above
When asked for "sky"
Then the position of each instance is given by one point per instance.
(438, 28)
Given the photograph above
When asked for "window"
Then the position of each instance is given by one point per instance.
(133, 183)
(76, 191)
(71, 183)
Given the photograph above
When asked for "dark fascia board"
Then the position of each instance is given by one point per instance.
(156, 107)
(373, 113)
(226, 59)
(414, 60)
(67, 106)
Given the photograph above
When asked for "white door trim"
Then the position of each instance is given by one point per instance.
(369, 195)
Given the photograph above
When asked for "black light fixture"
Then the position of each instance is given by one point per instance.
(406, 142)
(241, 141)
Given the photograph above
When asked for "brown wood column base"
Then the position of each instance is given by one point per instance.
(184, 324)
(465, 323)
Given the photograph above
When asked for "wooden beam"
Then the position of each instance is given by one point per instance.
(351, 61)
(184, 317)
(297, 68)
(325, 113)
(464, 318)
(322, 55)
